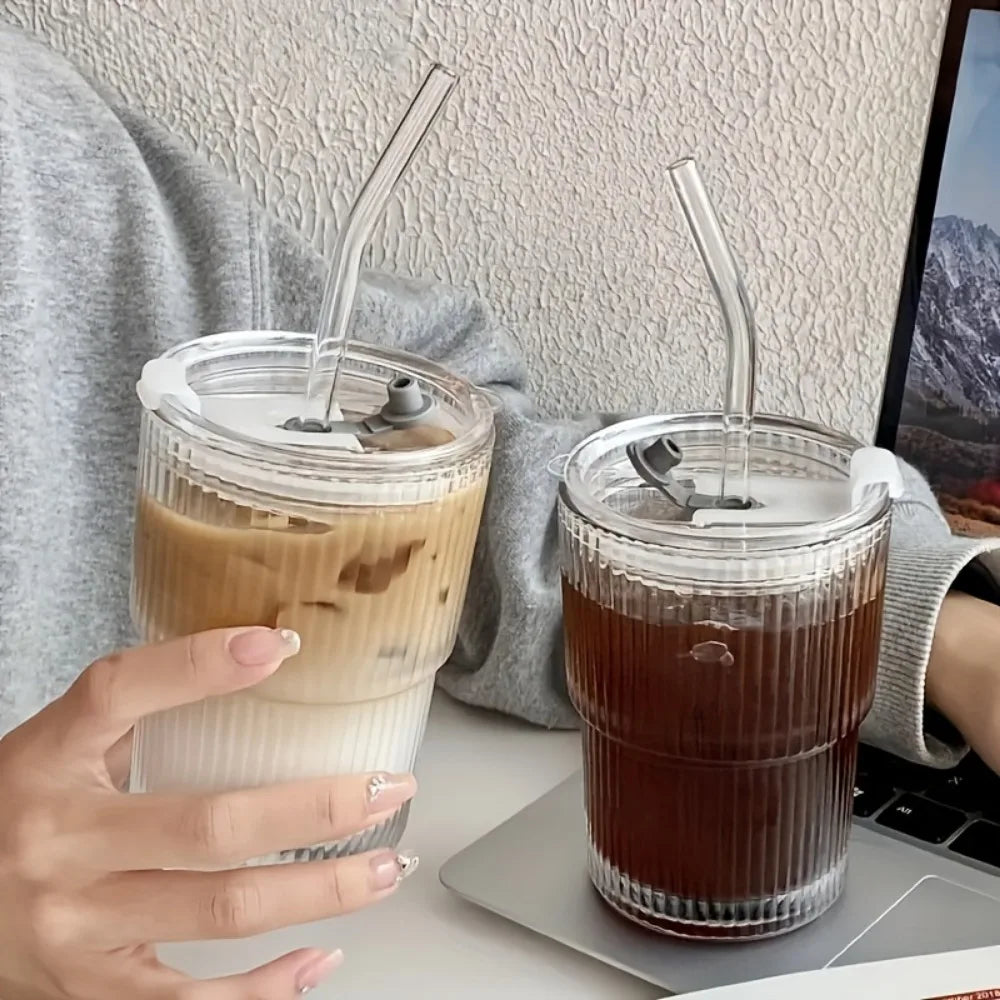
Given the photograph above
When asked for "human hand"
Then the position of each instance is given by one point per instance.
(84, 895)
(963, 674)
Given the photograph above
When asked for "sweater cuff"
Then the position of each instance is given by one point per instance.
(920, 572)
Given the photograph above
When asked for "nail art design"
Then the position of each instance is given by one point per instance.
(389, 869)
(291, 640)
(408, 863)
(257, 647)
(377, 784)
(385, 791)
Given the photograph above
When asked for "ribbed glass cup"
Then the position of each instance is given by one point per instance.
(722, 675)
(365, 555)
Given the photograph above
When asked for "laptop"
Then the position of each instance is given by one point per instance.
(924, 872)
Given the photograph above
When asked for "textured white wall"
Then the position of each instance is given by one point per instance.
(544, 185)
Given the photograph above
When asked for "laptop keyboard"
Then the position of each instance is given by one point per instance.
(956, 811)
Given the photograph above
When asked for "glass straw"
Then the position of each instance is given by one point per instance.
(342, 281)
(737, 318)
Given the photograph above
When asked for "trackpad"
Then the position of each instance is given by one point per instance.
(934, 916)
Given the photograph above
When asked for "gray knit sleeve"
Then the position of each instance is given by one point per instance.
(925, 559)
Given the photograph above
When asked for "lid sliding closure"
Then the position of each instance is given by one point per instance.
(655, 464)
(784, 501)
(779, 501)
(407, 406)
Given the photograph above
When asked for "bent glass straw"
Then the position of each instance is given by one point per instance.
(342, 281)
(737, 318)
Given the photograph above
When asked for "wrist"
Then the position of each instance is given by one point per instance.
(963, 673)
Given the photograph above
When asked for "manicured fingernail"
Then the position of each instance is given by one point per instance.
(390, 869)
(314, 972)
(388, 791)
(259, 646)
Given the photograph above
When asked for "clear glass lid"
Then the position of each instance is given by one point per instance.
(225, 397)
(808, 484)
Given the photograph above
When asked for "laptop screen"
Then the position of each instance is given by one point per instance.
(942, 406)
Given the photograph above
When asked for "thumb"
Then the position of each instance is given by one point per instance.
(113, 693)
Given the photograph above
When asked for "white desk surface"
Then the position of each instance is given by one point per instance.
(476, 769)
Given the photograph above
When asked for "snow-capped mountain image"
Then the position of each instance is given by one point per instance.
(950, 422)
(955, 358)
(949, 426)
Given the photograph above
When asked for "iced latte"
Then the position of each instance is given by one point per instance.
(365, 553)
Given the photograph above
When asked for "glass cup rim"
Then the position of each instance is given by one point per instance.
(317, 461)
(731, 539)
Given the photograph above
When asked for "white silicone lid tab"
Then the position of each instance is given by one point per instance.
(166, 377)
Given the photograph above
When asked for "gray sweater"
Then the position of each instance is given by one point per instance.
(115, 242)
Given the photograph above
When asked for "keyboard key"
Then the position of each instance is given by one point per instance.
(960, 789)
(981, 841)
(922, 819)
(972, 787)
(988, 787)
(870, 796)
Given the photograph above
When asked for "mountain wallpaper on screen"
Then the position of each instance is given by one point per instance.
(950, 424)
(956, 346)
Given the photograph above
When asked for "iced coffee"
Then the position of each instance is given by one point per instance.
(722, 670)
(365, 552)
